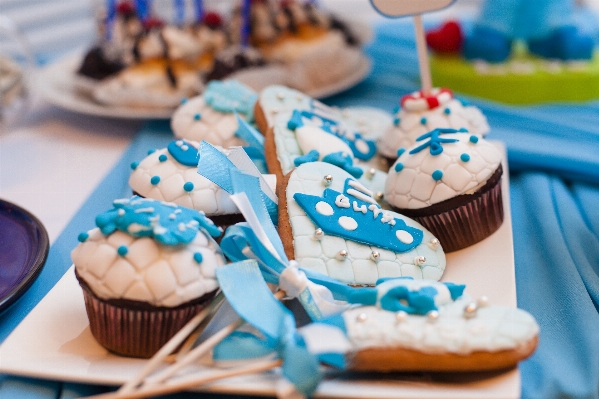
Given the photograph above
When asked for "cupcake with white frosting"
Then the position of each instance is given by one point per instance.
(145, 271)
(450, 182)
(418, 114)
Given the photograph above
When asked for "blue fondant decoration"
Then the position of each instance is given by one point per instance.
(455, 290)
(364, 296)
(423, 121)
(351, 217)
(398, 167)
(447, 111)
(162, 158)
(249, 134)
(384, 279)
(231, 96)
(335, 321)
(198, 257)
(465, 157)
(82, 237)
(134, 165)
(420, 301)
(396, 121)
(166, 222)
(183, 152)
(183, 101)
(155, 180)
(312, 156)
(361, 147)
(474, 139)
(197, 116)
(345, 162)
(435, 142)
(122, 250)
(437, 175)
(150, 152)
(400, 152)
(189, 186)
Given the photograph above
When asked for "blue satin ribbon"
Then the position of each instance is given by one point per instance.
(216, 167)
(242, 280)
(249, 134)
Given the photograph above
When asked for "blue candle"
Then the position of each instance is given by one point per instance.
(110, 16)
(179, 12)
(142, 8)
(245, 22)
(199, 8)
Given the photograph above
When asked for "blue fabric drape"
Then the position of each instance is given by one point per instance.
(553, 154)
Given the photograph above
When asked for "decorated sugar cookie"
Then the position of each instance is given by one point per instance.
(450, 181)
(330, 223)
(211, 116)
(145, 271)
(418, 114)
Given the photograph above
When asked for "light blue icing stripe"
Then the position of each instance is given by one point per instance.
(231, 96)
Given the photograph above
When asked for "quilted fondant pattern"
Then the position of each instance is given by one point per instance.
(358, 267)
(413, 185)
(148, 272)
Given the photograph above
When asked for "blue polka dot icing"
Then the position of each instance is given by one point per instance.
(399, 167)
(122, 250)
(167, 223)
(188, 186)
(474, 139)
(198, 257)
(396, 121)
(400, 152)
(155, 180)
(197, 117)
(437, 175)
(465, 157)
(230, 96)
(183, 101)
(82, 237)
(134, 165)
(162, 158)
(447, 111)
(183, 152)
(150, 152)
(423, 121)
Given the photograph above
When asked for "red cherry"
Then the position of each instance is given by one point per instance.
(447, 39)
(213, 20)
(125, 8)
(153, 22)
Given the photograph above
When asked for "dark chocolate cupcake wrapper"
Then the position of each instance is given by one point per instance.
(477, 217)
(134, 331)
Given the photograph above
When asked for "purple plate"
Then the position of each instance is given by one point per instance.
(24, 248)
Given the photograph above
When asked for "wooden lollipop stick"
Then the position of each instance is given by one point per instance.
(171, 345)
(423, 62)
(192, 381)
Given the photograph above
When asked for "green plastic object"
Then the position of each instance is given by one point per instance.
(523, 79)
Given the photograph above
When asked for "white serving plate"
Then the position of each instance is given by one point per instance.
(54, 340)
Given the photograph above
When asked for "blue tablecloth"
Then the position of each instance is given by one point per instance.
(553, 153)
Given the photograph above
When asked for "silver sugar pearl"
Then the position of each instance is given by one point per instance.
(328, 180)
(345, 113)
(318, 234)
(280, 96)
(432, 316)
(470, 310)
(342, 255)
(299, 97)
(434, 243)
(483, 301)
(362, 317)
(378, 196)
(371, 173)
(275, 110)
(420, 260)
(375, 256)
(401, 316)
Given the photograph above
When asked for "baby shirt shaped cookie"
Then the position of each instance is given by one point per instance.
(211, 116)
(170, 174)
(419, 325)
(450, 182)
(146, 270)
(330, 223)
(418, 114)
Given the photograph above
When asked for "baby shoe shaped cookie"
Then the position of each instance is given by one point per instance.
(211, 115)
(330, 223)
(451, 333)
(418, 114)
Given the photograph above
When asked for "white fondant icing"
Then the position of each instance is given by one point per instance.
(359, 266)
(348, 223)
(313, 138)
(324, 209)
(404, 236)
(149, 272)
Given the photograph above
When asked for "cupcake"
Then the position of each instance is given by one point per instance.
(450, 182)
(171, 174)
(145, 271)
(418, 114)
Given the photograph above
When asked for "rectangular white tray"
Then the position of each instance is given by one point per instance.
(54, 340)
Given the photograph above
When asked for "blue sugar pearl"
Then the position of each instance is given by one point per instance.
(122, 250)
(134, 165)
(474, 139)
(82, 237)
(150, 152)
(396, 121)
(400, 151)
(155, 180)
(447, 111)
(437, 175)
(423, 121)
(198, 257)
(396, 109)
(197, 117)
(188, 186)
(162, 158)
(183, 101)
(465, 157)
(399, 167)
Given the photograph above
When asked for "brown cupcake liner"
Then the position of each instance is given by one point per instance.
(478, 216)
(132, 330)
